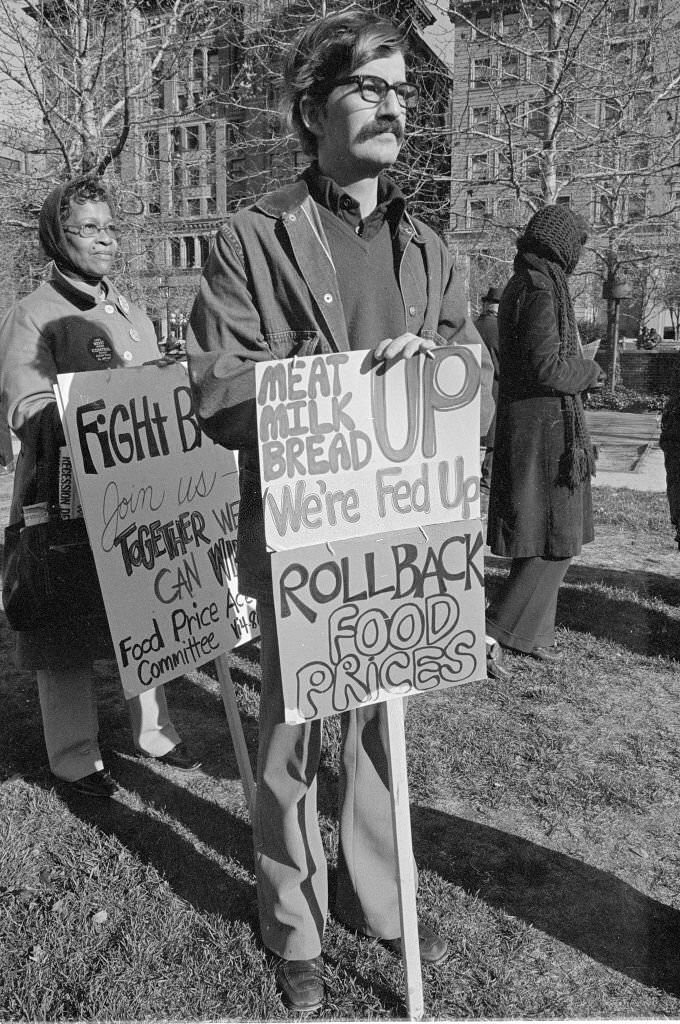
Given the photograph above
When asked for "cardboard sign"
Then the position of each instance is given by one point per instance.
(385, 616)
(161, 504)
(349, 447)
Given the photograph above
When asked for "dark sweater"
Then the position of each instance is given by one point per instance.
(363, 254)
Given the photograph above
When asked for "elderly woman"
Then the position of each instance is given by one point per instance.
(540, 509)
(76, 321)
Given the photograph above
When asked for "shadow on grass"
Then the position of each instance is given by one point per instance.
(584, 606)
(193, 876)
(591, 910)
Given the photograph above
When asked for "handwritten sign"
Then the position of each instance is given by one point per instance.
(385, 616)
(161, 505)
(348, 448)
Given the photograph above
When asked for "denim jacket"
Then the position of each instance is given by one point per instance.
(269, 291)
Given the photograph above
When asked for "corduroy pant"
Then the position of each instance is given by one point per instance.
(68, 705)
(524, 615)
(290, 863)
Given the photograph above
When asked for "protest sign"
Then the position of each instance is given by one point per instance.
(349, 447)
(389, 615)
(161, 503)
(370, 487)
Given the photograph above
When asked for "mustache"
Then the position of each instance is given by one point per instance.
(370, 131)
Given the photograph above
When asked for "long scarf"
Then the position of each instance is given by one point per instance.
(578, 461)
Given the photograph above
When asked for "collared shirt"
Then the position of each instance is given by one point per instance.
(391, 202)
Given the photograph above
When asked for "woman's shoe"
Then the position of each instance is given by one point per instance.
(495, 663)
(547, 654)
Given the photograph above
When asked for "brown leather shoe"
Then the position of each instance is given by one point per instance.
(301, 983)
(433, 948)
(99, 784)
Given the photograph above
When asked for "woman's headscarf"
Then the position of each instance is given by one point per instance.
(50, 230)
(552, 243)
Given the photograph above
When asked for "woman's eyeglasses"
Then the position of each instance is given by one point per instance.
(90, 230)
(374, 89)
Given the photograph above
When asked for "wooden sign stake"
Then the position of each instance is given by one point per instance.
(236, 729)
(401, 825)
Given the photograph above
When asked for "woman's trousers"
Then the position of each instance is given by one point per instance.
(68, 705)
(523, 617)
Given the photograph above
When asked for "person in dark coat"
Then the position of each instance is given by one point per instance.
(669, 442)
(487, 325)
(77, 320)
(540, 510)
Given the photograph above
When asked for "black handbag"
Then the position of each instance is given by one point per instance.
(49, 577)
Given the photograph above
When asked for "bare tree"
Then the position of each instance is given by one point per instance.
(584, 95)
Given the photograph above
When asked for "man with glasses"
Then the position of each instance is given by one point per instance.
(332, 262)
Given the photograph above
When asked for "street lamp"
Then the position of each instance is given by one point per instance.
(613, 290)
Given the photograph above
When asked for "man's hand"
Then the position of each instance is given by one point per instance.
(403, 347)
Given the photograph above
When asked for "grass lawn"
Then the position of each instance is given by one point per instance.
(545, 817)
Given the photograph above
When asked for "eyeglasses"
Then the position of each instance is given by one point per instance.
(374, 89)
(90, 230)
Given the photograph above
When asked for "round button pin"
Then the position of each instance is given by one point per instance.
(134, 334)
(108, 308)
(124, 304)
(127, 356)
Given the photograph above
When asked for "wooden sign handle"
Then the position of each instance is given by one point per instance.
(401, 825)
(236, 729)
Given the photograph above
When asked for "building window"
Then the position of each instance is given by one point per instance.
(175, 252)
(620, 13)
(484, 24)
(190, 250)
(611, 112)
(639, 158)
(479, 167)
(510, 66)
(193, 207)
(481, 72)
(476, 214)
(512, 114)
(511, 22)
(674, 209)
(480, 119)
(204, 243)
(506, 210)
(504, 165)
(636, 207)
(536, 120)
(213, 67)
(153, 156)
(563, 201)
(193, 175)
(193, 137)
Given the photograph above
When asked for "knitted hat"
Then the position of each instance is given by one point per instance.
(555, 233)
